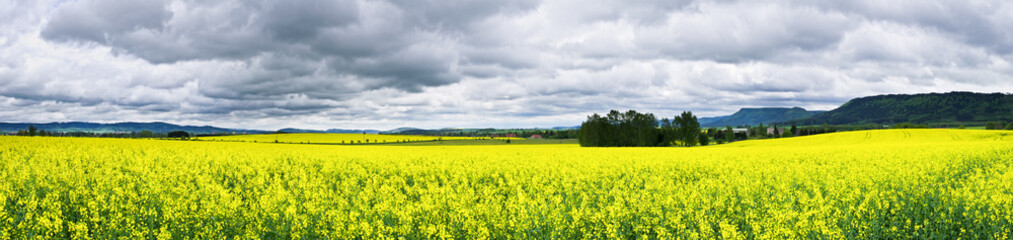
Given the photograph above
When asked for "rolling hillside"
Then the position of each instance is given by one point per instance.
(953, 107)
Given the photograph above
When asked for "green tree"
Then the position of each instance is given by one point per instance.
(667, 133)
(32, 130)
(146, 134)
(703, 139)
(729, 134)
(689, 128)
(1009, 126)
(180, 135)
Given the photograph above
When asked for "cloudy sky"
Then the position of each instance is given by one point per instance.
(383, 64)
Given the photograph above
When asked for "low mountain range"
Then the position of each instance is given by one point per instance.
(933, 109)
(123, 127)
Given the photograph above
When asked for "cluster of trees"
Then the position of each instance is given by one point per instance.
(998, 126)
(634, 129)
(178, 134)
(31, 131)
(909, 125)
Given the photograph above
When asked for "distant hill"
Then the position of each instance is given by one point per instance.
(333, 130)
(400, 130)
(927, 108)
(704, 121)
(157, 127)
(755, 116)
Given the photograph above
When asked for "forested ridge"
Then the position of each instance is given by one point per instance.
(929, 108)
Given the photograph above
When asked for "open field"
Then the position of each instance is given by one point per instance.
(918, 183)
(497, 141)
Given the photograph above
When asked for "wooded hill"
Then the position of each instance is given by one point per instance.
(756, 116)
(935, 109)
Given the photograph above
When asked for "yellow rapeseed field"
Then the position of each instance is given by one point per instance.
(332, 138)
(885, 184)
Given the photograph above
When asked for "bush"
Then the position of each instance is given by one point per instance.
(179, 134)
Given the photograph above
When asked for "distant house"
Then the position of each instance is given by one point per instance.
(740, 130)
(770, 130)
(536, 136)
(511, 135)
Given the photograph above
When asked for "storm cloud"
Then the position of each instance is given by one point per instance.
(526, 63)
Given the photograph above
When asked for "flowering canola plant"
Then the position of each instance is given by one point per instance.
(944, 184)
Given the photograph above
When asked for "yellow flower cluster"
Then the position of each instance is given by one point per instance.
(882, 184)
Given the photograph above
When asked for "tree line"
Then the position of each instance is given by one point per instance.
(634, 129)
(998, 126)
(33, 131)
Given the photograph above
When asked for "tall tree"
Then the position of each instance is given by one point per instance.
(729, 134)
(689, 128)
(32, 130)
(666, 134)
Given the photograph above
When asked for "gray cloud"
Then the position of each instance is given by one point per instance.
(105, 20)
(391, 63)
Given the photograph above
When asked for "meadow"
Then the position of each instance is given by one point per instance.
(925, 183)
